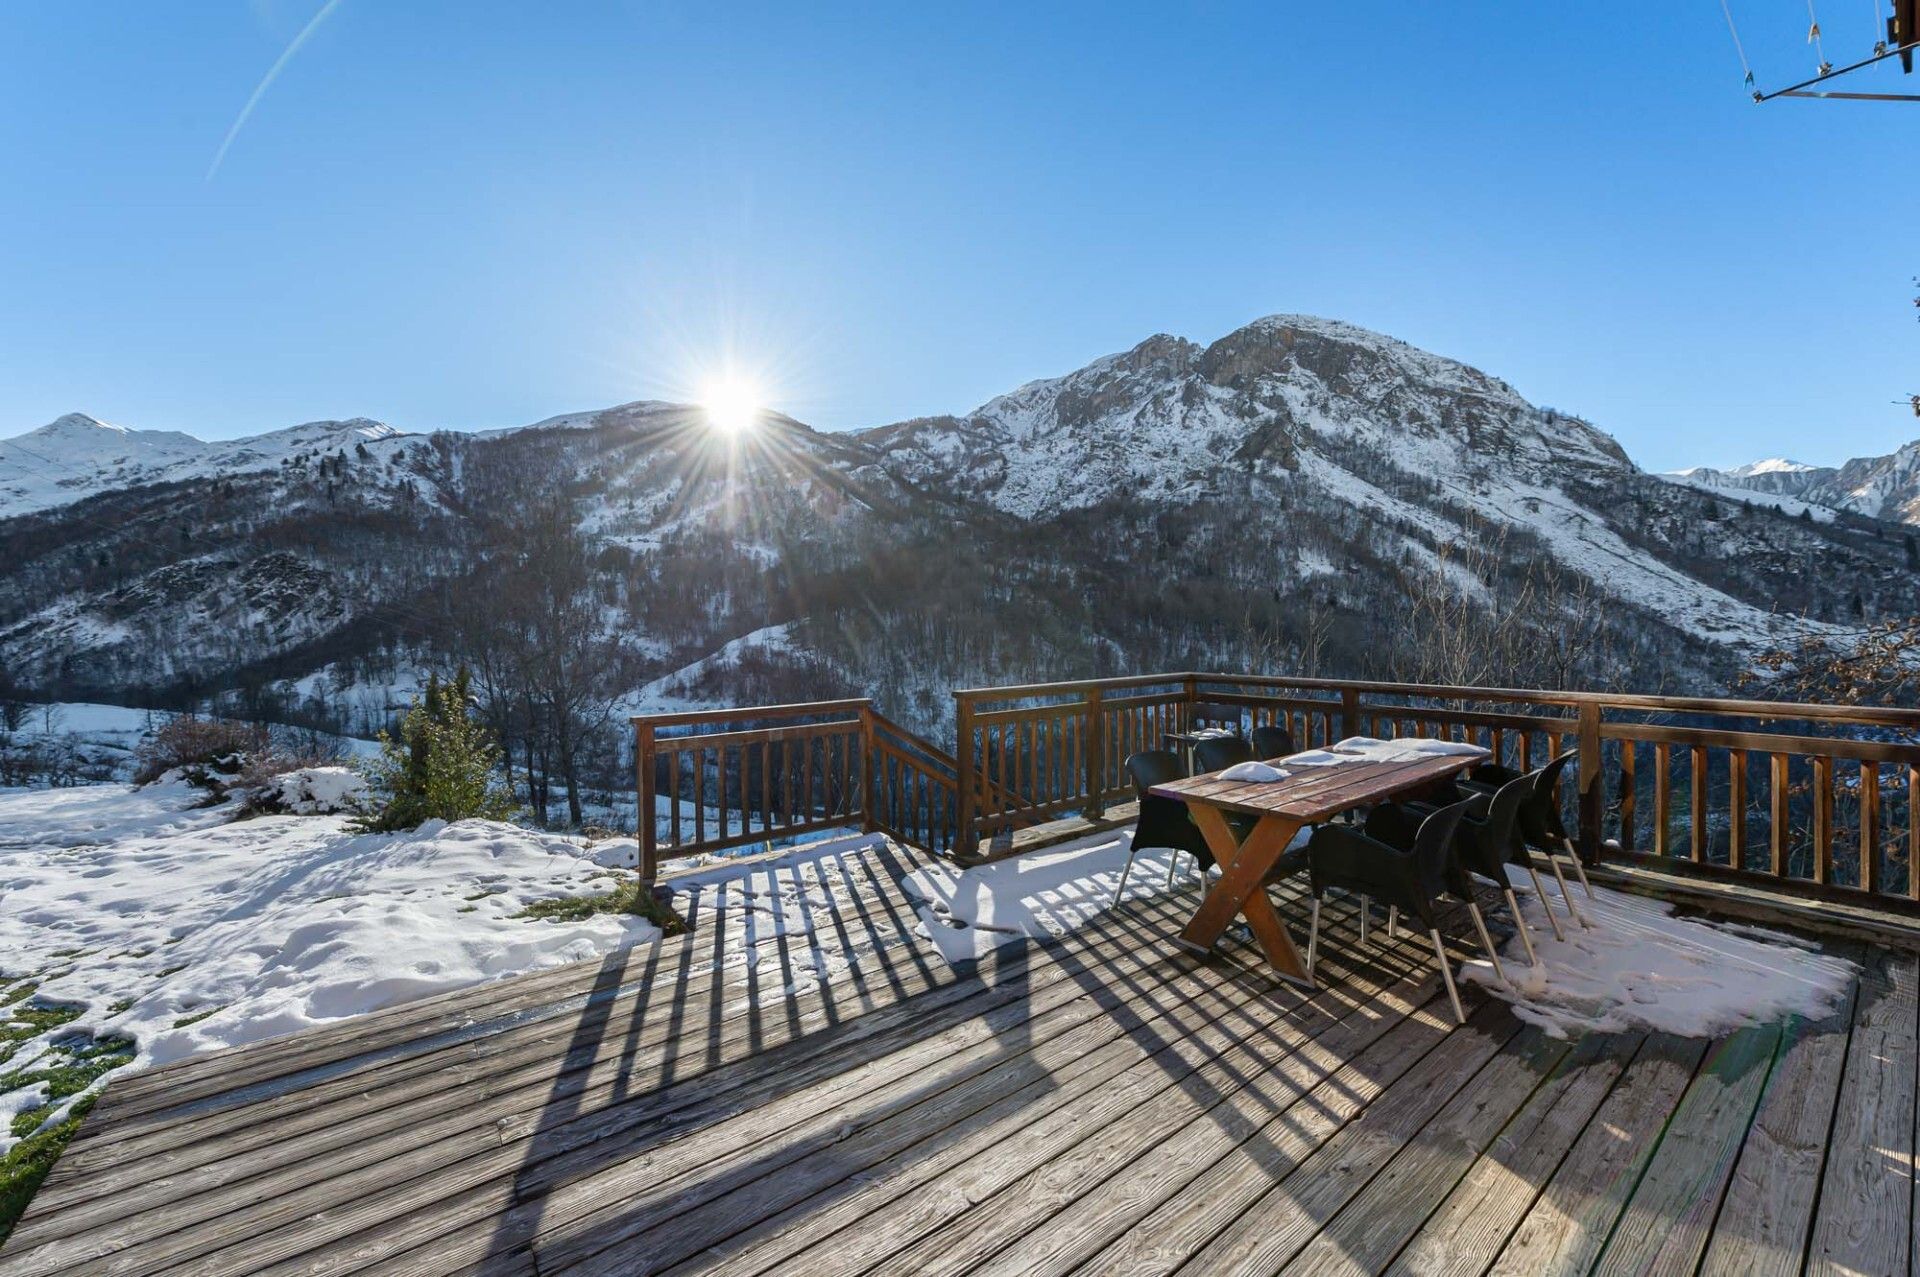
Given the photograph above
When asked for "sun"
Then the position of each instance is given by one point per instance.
(732, 406)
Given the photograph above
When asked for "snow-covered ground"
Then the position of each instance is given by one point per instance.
(108, 734)
(184, 930)
(1638, 966)
(1042, 895)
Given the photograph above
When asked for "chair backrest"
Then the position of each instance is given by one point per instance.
(1502, 832)
(1541, 822)
(1433, 844)
(1218, 753)
(1152, 767)
(1272, 741)
(1205, 712)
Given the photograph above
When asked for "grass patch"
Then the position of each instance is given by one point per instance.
(81, 1064)
(626, 897)
(195, 1018)
(28, 1162)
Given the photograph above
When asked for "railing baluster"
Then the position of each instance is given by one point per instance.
(1737, 808)
(699, 761)
(1780, 796)
(1822, 819)
(673, 789)
(1629, 794)
(1913, 831)
(1662, 798)
(1869, 826)
(1697, 805)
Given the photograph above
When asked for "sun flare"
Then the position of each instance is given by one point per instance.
(732, 406)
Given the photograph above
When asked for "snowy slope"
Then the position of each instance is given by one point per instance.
(77, 456)
(1885, 487)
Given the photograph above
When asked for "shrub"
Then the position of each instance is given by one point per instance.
(206, 746)
(440, 766)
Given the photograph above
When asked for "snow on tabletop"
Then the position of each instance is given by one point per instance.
(186, 931)
(1038, 896)
(1639, 967)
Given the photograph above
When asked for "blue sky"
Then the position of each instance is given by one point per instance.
(479, 214)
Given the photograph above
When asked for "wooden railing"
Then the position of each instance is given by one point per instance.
(1817, 798)
(713, 780)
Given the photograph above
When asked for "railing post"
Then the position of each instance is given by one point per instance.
(1096, 754)
(1192, 686)
(643, 816)
(867, 822)
(966, 782)
(1592, 782)
(1349, 713)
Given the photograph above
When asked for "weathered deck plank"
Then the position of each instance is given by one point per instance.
(1866, 1196)
(1764, 1221)
(1664, 1227)
(1102, 1104)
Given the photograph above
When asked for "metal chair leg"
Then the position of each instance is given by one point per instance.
(1486, 942)
(1393, 922)
(1313, 939)
(1566, 897)
(1366, 912)
(1578, 868)
(1173, 861)
(1121, 890)
(1546, 905)
(1520, 925)
(1446, 973)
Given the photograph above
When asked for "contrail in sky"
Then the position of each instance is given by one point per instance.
(266, 81)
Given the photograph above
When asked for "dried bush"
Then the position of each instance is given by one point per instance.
(207, 746)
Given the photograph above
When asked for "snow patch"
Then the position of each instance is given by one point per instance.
(1640, 967)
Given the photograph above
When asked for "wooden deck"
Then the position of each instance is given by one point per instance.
(1102, 1104)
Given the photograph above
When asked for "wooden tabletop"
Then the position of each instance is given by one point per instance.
(1311, 794)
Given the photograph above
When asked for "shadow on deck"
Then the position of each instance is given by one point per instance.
(1101, 1104)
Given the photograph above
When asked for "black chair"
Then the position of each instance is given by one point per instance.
(1410, 880)
(1217, 753)
(1272, 741)
(1203, 714)
(1162, 822)
(1539, 823)
(1487, 841)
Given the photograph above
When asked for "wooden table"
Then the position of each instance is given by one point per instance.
(1308, 796)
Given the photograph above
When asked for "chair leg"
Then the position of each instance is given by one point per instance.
(1546, 905)
(1578, 868)
(1173, 859)
(1446, 973)
(1486, 942)
(1121, 890)
(1366, 912)
(1393, 922)
(1313, 939)
(1566, 897)
(1520, 925)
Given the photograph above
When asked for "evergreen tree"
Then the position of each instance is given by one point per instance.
(440, 766)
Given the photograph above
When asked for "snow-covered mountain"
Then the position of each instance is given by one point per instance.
(1285, 489)
(76, 456)
(1885, 487)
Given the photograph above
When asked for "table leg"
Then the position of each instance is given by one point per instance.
(1242, 888)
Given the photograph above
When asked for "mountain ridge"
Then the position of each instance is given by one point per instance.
(1291, 487)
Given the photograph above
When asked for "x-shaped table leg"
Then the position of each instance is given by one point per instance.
(1242, 888)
